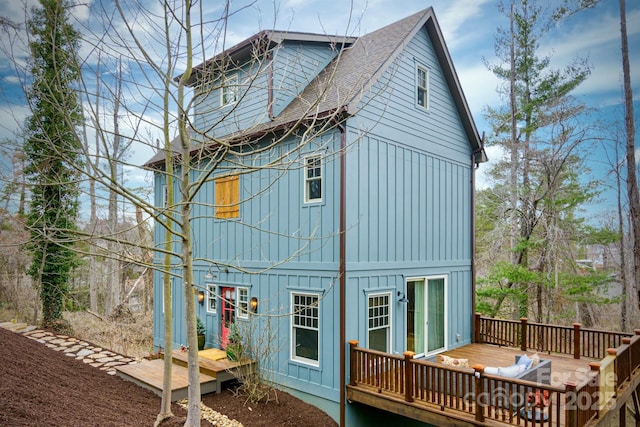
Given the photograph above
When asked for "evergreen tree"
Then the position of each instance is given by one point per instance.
(51, 150)
(536, 194)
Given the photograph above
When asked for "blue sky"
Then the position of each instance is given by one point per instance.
(469, 27)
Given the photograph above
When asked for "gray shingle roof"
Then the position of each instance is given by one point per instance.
(358, 66)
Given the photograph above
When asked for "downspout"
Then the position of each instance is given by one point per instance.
(342, 268)
(474, 165)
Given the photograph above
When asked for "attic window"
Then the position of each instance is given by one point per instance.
(422, 86)
(229, 92)
(227, 197)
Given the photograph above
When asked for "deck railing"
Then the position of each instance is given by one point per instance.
(526, 335)
(469, 391)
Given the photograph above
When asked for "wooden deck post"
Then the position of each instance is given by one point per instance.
(408, 375)
(523, 334)
(614, 352)
(576, 340)
(570, 411)
(476, 331)
(595, 377)
(479, 396)
(353, 369)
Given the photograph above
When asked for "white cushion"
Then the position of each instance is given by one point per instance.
(511, 371)
(491, 370)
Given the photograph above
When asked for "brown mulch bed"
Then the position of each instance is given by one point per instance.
(43, 387)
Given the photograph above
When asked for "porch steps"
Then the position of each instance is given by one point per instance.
(215, 369)
(149, 373)
(214, 363)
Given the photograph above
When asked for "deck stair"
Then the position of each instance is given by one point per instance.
(215, 369)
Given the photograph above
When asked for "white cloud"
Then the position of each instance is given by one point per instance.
(457, 17)
(495, 154)
(11, 80)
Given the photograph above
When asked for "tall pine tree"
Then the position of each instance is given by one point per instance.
(52, 153)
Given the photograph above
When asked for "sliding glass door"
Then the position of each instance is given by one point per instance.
(426, 315)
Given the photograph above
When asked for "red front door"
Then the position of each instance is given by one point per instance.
(228, 296)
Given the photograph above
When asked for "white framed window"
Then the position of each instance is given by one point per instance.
(422, 86)
(242, 303)
(229, 90)
(305, 325)
(313, 179)
(212, 298)
(379, 322)
(165, 195)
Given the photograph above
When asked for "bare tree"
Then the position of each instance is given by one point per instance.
(632, 180)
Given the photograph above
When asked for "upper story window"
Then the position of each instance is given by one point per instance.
(422, 86)
(227, 201)
(379, 314)
(305, 324)
(229, 91)
(313, 179)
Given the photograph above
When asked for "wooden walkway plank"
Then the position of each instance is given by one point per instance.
(149, 374)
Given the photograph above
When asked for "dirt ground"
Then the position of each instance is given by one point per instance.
(42, 387)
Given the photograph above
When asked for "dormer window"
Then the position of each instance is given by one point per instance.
(229, 92)
(422, 87)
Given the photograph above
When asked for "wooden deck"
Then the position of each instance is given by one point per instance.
(215, 369)
(593, 376)
(563, 367)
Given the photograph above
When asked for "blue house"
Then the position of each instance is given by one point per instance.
(342, 208)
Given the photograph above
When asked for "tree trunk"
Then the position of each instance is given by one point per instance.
(632, 182)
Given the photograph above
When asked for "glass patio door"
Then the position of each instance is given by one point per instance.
(426, 315)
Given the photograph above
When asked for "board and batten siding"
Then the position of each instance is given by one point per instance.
(409, 195)
(406, 205)
(361, 284)
(275, 224)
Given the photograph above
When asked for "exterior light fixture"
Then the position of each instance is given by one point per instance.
(403, 299)
(201, 297)
(209, 275)
(253, 304)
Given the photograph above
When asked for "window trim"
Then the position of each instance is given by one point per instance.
(229, 85)
(242, 313)
(306, 180)
(165, 196)
(293, 327)
(427, 92)
(212, 296)
(389, 317)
